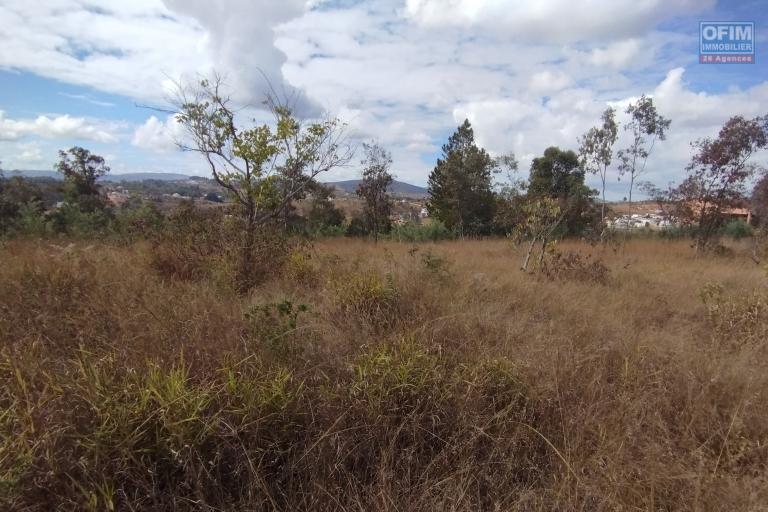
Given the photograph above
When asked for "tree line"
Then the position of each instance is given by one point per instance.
(266, 169)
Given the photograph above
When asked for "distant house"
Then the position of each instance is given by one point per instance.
(424, 213)
(744, 214)
(117, 198)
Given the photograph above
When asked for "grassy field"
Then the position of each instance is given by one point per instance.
(388, 377)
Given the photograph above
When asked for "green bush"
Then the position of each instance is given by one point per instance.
(414, 232)
(737, 229)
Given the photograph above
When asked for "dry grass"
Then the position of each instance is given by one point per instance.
(430, 377)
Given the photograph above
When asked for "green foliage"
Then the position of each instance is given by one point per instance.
(81, 169)
(301, 270)
(142, 220)
(430, 231)
(272, 323)
(558, 175)
(73, 221)
(373, 189)
(737, 228)
(460, 185)
(323, 217)
(596, 150)
(555, 174)
(646, 126)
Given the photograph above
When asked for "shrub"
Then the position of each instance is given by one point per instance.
(191, 244)
(737, 229)
(432, 230)
(366, 296)
(301, 270)
(573, 266)
(271, 323)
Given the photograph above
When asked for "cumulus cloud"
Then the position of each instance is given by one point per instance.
(132, 48)
(156, 135)
(403, 72)
(240, 39)
(121, 47)
(59, 127)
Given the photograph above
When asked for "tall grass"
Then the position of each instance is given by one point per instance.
(384, 377)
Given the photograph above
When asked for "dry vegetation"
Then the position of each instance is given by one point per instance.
(388, 377)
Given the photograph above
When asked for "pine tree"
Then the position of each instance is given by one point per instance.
(460, 186)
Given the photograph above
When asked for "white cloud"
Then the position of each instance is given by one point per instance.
(552, 20)
(404, 72)
(58, 127)
(549, 81)
(29, 153)
(156, 135)
(87, 99)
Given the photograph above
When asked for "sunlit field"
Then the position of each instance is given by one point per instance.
(387, 376)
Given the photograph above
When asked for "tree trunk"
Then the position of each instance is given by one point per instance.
(541, 254)
(245, 279)
(527, 258)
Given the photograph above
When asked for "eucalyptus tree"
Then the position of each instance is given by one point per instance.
(373, 188)
(646, 126)
(596, 150)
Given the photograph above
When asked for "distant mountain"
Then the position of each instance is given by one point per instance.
(131, 176)
(142, 176)
(32, 174)
(398, 188)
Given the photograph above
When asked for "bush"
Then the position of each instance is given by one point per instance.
(366, 296)
(573, 266)
(737, 229)
(432, 230)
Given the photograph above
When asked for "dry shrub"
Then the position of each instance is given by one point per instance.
(574, 266)
(201, 244)
(192, 245)
(365, 296)
(736, 319)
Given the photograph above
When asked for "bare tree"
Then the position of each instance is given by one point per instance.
(596, 150)
(263, 167)
(373, 188)
(646, 127)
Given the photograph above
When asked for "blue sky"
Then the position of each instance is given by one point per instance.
(403, 72)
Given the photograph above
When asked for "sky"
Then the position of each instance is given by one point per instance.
(405, 73)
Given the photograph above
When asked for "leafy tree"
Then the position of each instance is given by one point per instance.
(760, 200)
(264, 168)
(717, 175)
(373, 188)
(322, 212)
(460, 186)
(558, 175)
(509, 196)
(596, 150)
(542, 216)
(19, 198)
(646, 127)
(81, 170)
